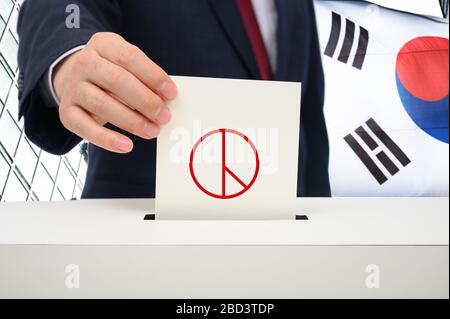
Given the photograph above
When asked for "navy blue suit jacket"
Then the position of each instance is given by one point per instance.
(203, 38)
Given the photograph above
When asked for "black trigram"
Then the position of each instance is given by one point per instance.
(444, 7)
(344, 54)
(381, 156)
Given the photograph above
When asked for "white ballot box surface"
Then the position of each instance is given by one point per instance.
(341, 248)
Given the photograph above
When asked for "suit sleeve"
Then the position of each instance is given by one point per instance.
(314, 169)
(44, 36)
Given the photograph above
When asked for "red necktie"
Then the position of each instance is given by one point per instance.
(256, 40)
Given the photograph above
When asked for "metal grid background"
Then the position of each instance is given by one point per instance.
(26, 172)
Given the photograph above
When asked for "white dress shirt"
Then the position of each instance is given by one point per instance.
(266, 14)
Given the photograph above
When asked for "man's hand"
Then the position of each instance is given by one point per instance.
(112, 81)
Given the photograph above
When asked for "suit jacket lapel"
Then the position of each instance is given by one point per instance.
(229, 17)
(285, 37)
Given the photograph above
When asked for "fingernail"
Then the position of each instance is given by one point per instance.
(164, 115)
(123, 144)
(150, 130)
(168, 90)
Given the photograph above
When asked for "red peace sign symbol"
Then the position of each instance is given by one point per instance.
(225, 170)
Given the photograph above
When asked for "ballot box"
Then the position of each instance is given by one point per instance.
(332, 248)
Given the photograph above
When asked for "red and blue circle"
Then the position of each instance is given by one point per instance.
(422, 80)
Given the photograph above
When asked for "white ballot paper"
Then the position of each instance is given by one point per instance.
(230, 152)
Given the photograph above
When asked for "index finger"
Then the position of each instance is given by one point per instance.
(118, 51)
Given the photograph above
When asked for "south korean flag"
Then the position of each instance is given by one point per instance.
(386, 107)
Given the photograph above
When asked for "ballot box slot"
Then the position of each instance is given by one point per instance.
(152, 217)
